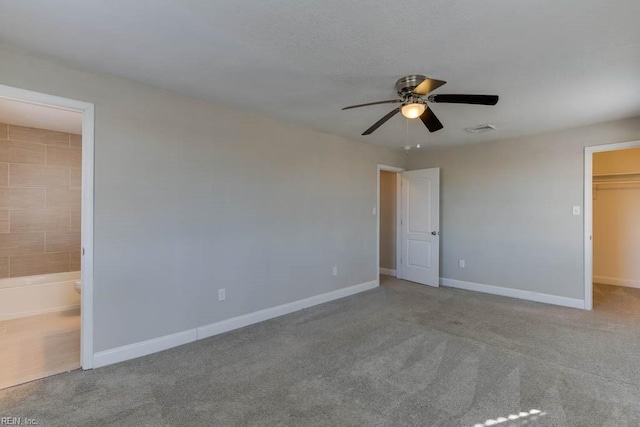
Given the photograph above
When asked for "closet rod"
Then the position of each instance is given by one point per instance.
(616, 182)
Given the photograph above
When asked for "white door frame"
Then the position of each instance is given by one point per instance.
(397, 171)
(86, 296)
(588, 212)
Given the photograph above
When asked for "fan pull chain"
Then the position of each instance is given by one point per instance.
(406, 144)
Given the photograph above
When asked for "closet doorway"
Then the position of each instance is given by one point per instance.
(612, 227)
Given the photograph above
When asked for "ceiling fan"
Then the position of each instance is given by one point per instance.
(413, 91)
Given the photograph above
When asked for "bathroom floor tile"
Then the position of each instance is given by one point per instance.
(39, 346)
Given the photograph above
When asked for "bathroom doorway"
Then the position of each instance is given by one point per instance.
(44, 315)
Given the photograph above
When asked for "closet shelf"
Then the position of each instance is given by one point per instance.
(617, 175)
(616, 182)
(616, 178)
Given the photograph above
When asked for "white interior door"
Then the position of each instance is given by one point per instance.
(420, 227)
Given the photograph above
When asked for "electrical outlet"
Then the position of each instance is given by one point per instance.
(335, 271)
(461, 263)
(222, 294)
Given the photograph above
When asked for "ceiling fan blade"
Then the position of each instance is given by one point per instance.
(391, 101)
(430, 120)
(465, 99)
(380, 122)
(427, 86)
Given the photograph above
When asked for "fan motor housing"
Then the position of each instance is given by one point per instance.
(405, 85)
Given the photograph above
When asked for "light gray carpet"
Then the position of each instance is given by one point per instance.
(402, 354)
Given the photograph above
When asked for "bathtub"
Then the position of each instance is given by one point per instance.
(32, 295)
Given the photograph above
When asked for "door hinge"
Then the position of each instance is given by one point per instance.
(82, 251)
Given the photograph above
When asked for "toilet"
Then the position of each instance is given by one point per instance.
(77, 285)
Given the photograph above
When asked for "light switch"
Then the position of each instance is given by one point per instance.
(576, 210)
(374, 211)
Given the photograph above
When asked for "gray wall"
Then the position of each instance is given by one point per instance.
(507, 207)
(388, 219)
(192, 197)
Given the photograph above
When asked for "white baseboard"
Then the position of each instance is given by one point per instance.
(144, 348)
(513, 293)
(605, 280)
(280, 310)
(387, 272)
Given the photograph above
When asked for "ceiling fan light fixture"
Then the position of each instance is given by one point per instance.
(414, 93)
(413, 110)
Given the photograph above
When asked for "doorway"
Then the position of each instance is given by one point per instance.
(612, 230)
(409, 224)
(51, 212)
(388, 219)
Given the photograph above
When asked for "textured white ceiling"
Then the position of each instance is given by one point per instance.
(555, 64)
(38, 116)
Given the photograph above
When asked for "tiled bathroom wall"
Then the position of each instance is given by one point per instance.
(40, 201)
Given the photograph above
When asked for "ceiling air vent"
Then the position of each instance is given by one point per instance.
(481, 129)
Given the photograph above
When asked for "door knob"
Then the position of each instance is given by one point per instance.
(435, 233)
